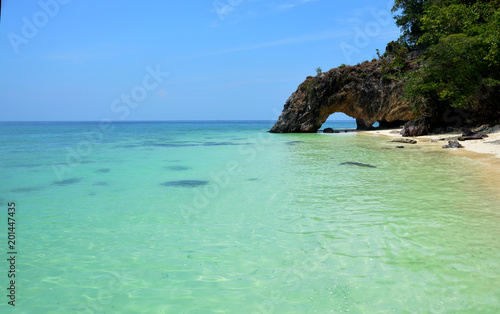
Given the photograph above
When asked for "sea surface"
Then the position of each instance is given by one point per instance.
(223, 217)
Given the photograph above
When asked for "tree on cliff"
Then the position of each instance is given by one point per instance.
(461, 63)
(409, 19)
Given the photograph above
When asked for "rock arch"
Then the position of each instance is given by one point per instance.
(360, 91)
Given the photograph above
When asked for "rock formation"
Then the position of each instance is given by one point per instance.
(416, 127)
(369, 92)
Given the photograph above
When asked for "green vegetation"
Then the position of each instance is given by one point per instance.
(319, 71)
(461, 62)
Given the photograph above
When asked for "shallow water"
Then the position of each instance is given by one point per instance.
(224, 217)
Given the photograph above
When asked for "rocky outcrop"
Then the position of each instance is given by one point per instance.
(368, 92)
(416, 127)
(453, 144)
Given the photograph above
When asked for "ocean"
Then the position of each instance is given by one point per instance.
(224, 217)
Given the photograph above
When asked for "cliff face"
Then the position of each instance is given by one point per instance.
(368, 92)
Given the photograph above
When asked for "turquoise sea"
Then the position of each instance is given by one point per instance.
(223, 217)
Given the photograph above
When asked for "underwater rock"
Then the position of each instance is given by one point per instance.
(185, 183)
(404, 140)
(178, 168)
(294, 142)
(358, 164)
(68, 181)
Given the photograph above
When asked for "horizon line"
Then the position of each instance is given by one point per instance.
(180, 120)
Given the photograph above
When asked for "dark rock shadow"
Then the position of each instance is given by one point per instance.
(68, 181)
(177, 168)
(185, 183)
(350, 163)
(26, 189)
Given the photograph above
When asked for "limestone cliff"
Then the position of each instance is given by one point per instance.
(369, 92)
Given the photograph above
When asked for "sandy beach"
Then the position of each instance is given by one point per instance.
(489, 145)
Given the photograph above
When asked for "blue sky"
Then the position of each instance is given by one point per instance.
(175, 60)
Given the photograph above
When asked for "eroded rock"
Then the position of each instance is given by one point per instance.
(416, 127)
(453, 144)
(362, 92)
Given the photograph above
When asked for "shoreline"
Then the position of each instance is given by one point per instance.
(487, 146)
(486, 151)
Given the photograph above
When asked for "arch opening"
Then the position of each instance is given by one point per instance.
(341, 122)
(338, 122)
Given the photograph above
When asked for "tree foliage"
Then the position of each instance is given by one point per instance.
(408, 18)
(461, 63)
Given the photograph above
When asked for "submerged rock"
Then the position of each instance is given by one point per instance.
(404, 140)
(294, 142)
(177, 168)
(25, 189)
(68, 181)
(185, 183)
(351, 163)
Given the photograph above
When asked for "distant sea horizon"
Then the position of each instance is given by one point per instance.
(134, 121)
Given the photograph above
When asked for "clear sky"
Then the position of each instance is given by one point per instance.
(175, 60)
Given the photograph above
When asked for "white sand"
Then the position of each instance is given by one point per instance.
(489, 145)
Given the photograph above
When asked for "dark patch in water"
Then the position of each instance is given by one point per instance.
(26, 165)
(357, 164)
(294, 142)
(100, 183)
(178, 168)
(170, 145)
(26, 189)
(185, 183)
(223, 144)
(181, 144)
(128, 146)
(253, 179)
(68, 181)
(175, 160)
(103, 170)
(92, 194)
